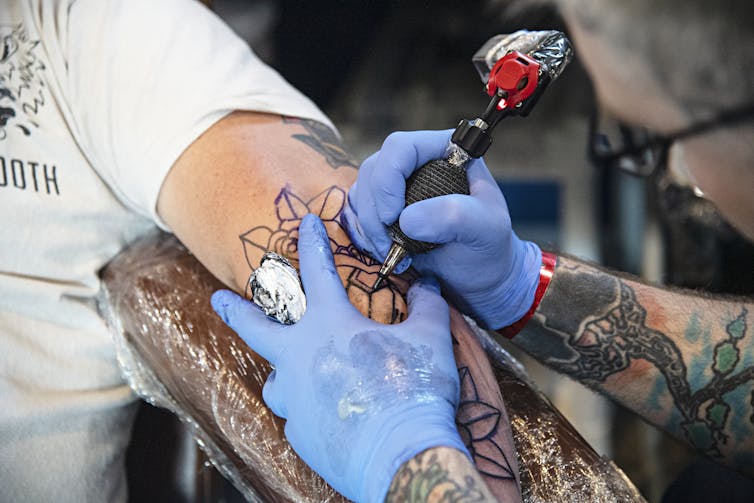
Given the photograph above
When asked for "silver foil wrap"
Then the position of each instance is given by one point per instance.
(276, 288)
(550, 48)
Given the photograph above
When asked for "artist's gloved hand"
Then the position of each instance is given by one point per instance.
(485, 269)
(360, 398)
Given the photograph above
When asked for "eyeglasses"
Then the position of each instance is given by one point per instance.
(639, 152)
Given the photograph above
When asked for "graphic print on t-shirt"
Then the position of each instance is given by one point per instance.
(22, 90)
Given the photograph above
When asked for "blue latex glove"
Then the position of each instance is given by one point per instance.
(360, 398)
(485, 269)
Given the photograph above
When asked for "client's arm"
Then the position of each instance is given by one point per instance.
(361, 398)
(242, 188)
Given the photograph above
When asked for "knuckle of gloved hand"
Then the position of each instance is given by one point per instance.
(455, 212)
(387, 192)
(395, 139)
(349, 219)
(387, 175)
(352, 194)
(415, 294)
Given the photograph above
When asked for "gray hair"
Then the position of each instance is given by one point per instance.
(701, 52)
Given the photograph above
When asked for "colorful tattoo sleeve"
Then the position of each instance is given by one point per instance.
(683, 361)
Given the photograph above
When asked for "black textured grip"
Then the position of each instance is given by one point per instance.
(436, 178)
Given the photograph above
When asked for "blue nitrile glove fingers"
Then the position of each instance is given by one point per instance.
(400, 155)
(373, 212)
(360, 398)
(250, 323)
(350, 221)
(484, 268)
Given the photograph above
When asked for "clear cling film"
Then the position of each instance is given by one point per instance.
(177, 354)
(556, 463)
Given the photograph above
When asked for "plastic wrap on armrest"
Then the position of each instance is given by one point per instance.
(177, 354)
(555, 462)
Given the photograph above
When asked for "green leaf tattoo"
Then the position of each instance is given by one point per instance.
(424, 475)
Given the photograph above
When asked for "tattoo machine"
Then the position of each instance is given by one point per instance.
(516, 69)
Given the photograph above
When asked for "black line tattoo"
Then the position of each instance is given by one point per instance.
(478, 423)
(323, 140)
(283, 240)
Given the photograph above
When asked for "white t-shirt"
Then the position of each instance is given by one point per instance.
(98, 98)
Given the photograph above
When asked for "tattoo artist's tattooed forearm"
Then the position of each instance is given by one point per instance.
(323, 140)
(360, 268)
(602, 330)
(427, 478)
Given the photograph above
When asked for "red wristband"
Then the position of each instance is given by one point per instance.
(545, 274)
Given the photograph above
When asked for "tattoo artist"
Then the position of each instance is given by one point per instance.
(612, 332)
(615, 333)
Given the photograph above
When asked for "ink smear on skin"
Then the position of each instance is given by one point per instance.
(276, 288)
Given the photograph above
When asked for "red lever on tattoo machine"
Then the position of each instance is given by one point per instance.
(516, 69)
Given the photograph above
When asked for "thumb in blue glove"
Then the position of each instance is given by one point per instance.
(484, 268)
(360, 398)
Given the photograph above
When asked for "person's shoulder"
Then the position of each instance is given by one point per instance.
(142, 31)
(141, 14)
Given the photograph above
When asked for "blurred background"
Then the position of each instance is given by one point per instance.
(379, 66)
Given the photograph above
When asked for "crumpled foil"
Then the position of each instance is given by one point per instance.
(276, 288)
(550, 48)
(177, 354)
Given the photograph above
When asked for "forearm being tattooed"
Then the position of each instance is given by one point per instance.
(242, 188)
(682, 360)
